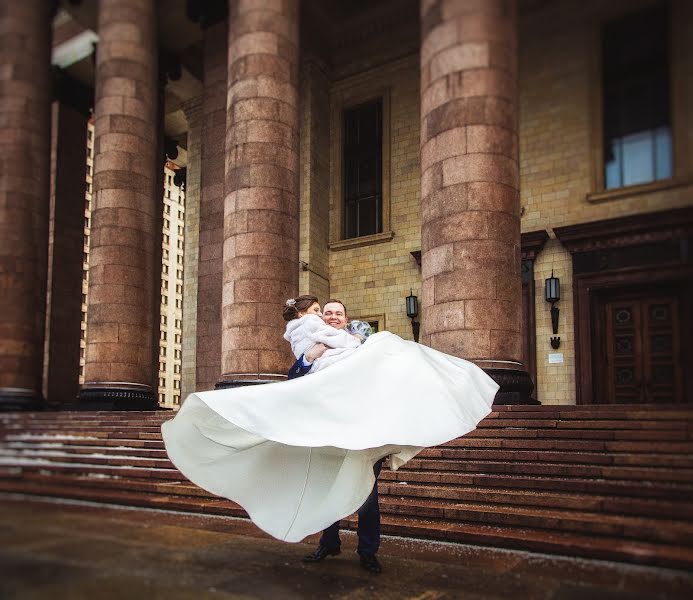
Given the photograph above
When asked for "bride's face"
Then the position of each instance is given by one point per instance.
(314, 309)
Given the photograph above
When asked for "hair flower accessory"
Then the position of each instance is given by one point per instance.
(290, 302)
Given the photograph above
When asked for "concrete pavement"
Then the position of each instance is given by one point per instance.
(76, 551)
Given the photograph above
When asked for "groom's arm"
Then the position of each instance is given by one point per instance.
(299, 368)
(305, 362)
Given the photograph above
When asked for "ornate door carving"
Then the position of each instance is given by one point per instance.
(640, 339)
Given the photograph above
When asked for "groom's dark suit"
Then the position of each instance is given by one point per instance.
(369, 514)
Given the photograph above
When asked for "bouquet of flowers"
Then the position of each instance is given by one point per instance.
(359, 328)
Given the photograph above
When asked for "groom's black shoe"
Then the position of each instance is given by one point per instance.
(321, 553)
(370, 563)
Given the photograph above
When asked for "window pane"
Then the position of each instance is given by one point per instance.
(368, 179)
(638, 159)
(612, 173)
(367, 221)
(636, 126)
(663, 160)
(362, 172)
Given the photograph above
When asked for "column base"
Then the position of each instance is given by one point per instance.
(20, 399)
(516, 386)
(117, 396)
(237, 380)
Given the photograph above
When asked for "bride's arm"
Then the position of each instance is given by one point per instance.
(334, 338)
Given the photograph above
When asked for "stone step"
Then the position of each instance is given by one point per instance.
(512, 444)
(67, 441)
(85, 460)
(177, 495)
(576, 413)
(469, 494)
(541, 445)
(519, 466)
(539, 540)
(680, 475)
(563, 456)
(33, 447)
(502, 422)
(623, 526)
(678, 435)
(567, 435)
(104, 470)
(665, 490)
(660, 508)
(172, 487)
(36, 449)
(218, 506)
(607, 481)
(426, 503)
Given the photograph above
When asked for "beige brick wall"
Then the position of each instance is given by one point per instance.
(314, 181)
(555, 382)
(374, 280)
(558, 94)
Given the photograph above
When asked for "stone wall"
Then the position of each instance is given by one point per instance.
(559, 99)
(373, 280)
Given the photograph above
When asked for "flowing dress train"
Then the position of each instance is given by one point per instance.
(298, 455)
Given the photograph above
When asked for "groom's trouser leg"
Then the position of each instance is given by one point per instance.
(369, 519)
(330, 537)
(369, 522)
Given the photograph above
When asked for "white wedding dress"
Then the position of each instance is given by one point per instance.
(298, 455)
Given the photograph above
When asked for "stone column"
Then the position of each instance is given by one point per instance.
(25, 39)
(470, 230)
(261, 189)
(208, 351)
(65, 252)
(119, 353)
(193, 113)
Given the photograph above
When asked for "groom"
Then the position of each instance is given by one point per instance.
(334, 314)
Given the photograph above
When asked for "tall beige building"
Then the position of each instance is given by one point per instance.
(173, 245)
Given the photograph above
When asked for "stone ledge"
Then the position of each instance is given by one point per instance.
(366, 240)
(635, 190)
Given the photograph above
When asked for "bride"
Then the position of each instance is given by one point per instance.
(298, 455)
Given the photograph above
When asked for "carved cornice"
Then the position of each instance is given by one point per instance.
(532, 243)
(621, 232)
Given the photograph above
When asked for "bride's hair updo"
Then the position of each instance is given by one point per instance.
(293, 306)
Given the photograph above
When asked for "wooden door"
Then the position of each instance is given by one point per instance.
(640, 339)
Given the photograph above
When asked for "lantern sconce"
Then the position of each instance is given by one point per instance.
(412, 304)
(552, 293)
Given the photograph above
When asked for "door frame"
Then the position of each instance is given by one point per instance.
(587, 292)
(601, 264)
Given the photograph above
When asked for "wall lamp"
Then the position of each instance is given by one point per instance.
(552, 293)
(412, 303)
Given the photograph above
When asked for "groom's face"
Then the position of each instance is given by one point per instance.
(334, 314)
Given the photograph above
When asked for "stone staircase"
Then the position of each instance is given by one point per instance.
(609, 482)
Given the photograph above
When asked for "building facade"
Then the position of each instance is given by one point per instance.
(461, 152)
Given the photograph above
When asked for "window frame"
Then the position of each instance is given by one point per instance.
(598, 191)
(341, 102)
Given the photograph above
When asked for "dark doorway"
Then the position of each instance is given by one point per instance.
(641, 344)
